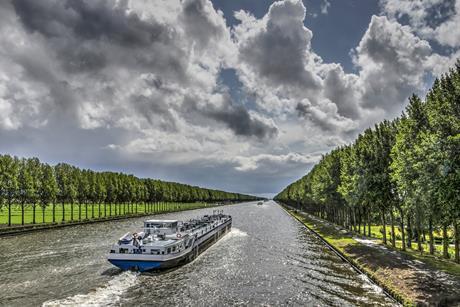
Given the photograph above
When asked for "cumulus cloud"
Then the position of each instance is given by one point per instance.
(278, 52)
(436, 20)
(326, 117)
(273, 163)
(278, 66)
(448, 33)
(392, 64)
(341, 88)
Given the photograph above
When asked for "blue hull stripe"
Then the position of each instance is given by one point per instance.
(136, 265)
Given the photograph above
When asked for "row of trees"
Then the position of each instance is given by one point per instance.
(29, 182)
(405, 171)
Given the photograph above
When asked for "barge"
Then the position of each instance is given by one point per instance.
(165, 244)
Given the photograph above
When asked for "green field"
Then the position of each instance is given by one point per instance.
(91, 213)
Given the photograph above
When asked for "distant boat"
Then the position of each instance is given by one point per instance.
(260, 203)
(168, 243)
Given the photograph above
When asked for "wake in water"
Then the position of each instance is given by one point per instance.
(101, 296)
(235, 232)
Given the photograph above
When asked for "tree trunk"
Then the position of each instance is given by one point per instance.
(403, 233)
(419, 237)
(54, 212)
(22, 214)
(363, 214)
(409, 232)
(9, 213)
(63, 212)
(445, 242)
(384, 227)
(393, 235)
(359, 222)
(430, 233)
(356, 220)
(43, 214)
(457, 241)
(71, 211)
(33, 214)
(79, 211)
(369, 233)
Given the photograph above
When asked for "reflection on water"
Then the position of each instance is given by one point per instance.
(267, 259)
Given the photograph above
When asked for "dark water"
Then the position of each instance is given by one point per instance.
(267, 259)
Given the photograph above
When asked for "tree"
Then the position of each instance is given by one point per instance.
(9, 173)
(34, 166)
(26, 186)
(47, 190)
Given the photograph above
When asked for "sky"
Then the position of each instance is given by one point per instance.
(239, 95)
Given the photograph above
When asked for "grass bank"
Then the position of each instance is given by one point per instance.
(91, 213)
(88, 211)
(377, 232)
(411, 279)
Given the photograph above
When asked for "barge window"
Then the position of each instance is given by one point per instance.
(169, 250)
(174, 249)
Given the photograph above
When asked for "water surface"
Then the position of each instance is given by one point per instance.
(267, 259)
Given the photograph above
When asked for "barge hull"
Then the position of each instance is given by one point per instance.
(204, 242)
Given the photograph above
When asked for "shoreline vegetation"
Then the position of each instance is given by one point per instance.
(408, 277)
(399, 181)
(32, 192)
(101, 214)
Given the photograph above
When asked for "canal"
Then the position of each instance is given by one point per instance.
(267, 259)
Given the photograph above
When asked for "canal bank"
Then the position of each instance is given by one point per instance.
(27, 228)
(408, 280)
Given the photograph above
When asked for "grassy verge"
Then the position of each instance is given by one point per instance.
(389, 268)
(376, 232)
(87, 212)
